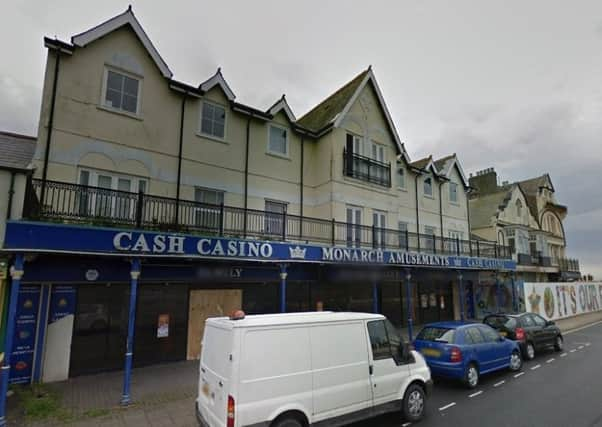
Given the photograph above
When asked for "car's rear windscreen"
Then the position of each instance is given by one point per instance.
(216, 350)
(432, 333)
(499, 322)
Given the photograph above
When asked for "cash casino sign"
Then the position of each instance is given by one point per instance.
(40, 237)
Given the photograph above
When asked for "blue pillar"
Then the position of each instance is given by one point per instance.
(16, 275)
(514, 299)
(462, 297)
(129, 351)
(409, 304)
(283, 275)
(375, 308)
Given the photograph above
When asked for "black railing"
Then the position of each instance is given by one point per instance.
(366, 169)
(568, 265)
(72, 203)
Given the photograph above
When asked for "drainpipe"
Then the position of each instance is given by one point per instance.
(246, 201)
(468, 220)
(441, 214)
(177, 218)
(417, 215)
(11, 192)
(50, 125)
(301, 189)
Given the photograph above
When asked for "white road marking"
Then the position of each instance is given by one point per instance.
(580, 347)
(499, 384)
(587, 344)
(443, 408)
(406, 424)
(535, 367)
(563, 355)
(550, 360)
(520, 374)
(476, 394)
(573, 350)
(583, 327)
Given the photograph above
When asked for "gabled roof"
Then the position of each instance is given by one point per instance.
(218, 80)
(446, 164)
(17, 150)
(126, 18)
(426, 164)
(532, 186)
(280, 105)
(331, 112)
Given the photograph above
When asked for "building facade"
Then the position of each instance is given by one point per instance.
(525, 216)
(156, 204)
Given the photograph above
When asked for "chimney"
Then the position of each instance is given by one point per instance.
(485, 181)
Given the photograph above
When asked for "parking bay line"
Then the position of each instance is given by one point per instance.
(535, 367)
(550, 360)
(499, 384)
(520, 374)
(573, 350)
(563, 355)
(443, 408)
(580, 347)
(476, 394)
(406, 424)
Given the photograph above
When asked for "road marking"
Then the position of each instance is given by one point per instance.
(563, 355)
(550, 360)
(499, 384)
(587, 344)
(406, 424)
(580, 347)
(573, 350)
(535, 367)
(443, 408)
(476, 394)
(520, 374)
(583, 327)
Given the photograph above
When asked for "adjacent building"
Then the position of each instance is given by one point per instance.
(179, 202)
(525, 216)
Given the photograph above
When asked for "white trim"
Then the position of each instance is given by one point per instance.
(200, 128)
(370, 77)
(115, 23)
(103, 95)
(218, 79)
(449, 165)
(281, 104)
(286, 155)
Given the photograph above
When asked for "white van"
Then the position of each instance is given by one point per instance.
(307, 369)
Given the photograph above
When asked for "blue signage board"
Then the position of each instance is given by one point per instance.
(22, 356)
(43, 237)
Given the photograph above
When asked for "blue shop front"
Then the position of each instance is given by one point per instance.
(88, 299)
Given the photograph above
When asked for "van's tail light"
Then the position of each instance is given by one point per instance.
(520, 334)
(230, 415)
(456, 354)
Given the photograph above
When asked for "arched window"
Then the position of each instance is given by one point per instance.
(519, 208)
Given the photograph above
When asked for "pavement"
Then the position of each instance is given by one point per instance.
(553, 390)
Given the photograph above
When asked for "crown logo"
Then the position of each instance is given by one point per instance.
(297, 252)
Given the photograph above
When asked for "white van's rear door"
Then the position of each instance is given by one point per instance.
(215, 375)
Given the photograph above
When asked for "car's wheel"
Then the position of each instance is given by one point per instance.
(529, 351)
(471, 376)
(559, 343)
(516, 361)
(287, 421)
(413, 403)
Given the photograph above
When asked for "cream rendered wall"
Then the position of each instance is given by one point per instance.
(83, 126)
(455, 215)
(509, 214)
(429, 205)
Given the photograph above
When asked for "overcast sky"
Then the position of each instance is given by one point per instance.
(515, 85)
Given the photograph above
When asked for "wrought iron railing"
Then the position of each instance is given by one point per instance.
(366, 169)
(568, 264)
(72, 203)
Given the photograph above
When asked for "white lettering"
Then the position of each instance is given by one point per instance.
(201, 246)
(218, 249)
(253, 249)
(159, 244)
(327, 254)
(118, 244)
(176, 245)
(266, 250)
(232, 249)
(141, 245)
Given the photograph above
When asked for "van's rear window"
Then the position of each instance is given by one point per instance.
(437, 334)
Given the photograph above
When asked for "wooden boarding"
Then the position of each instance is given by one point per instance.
(208, 303)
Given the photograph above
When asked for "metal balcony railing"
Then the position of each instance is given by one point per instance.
(568, 265)
(72, 203)
(366, 169)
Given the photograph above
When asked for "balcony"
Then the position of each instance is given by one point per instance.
(366, 169)
(79, 204)
(567, 265)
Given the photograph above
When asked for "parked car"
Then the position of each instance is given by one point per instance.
(533, 332)
(465, 351)
(298, 369)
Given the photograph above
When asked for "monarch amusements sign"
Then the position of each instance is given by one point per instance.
(560, 300)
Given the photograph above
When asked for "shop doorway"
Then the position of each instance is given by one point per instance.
(100, 329)
(435, 302)
(208, 303)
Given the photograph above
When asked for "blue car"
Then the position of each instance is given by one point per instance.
(466, 350)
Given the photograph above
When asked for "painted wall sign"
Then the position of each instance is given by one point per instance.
(22, 356)
(68, 238)
(560, 300)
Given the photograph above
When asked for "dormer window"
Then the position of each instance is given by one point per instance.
(213, 120)
(453, 192)
(428, 187)
(278, 141)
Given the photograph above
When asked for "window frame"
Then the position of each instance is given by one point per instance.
(453, 190)
(103, 94)
(353, 234)
(200, 131)
(430, 180)
(286, 155)
(401, 177)
(388, 344)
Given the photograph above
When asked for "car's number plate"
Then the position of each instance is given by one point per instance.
(431, 352)
(504, 333)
